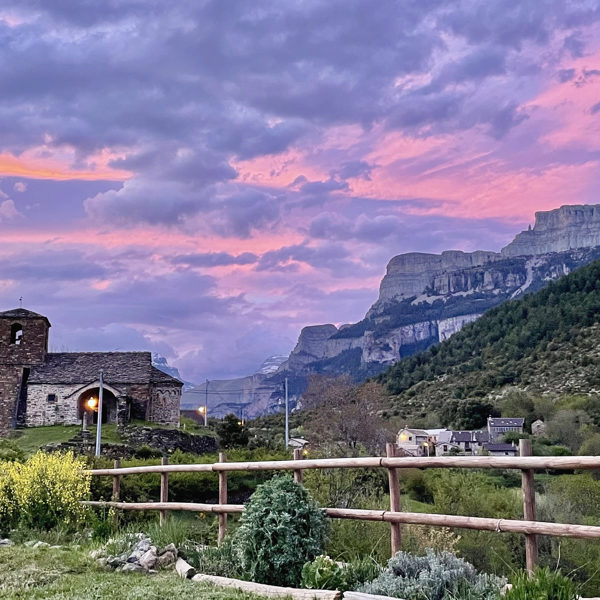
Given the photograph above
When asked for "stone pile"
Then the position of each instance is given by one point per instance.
(139, 556)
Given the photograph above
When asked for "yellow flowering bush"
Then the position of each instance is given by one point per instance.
(43, 492)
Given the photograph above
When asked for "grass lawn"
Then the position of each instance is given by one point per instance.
(68, 574)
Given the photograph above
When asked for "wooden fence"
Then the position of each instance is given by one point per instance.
(526, 463)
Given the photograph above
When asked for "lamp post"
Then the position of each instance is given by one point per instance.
(203, 410)
(99, 421)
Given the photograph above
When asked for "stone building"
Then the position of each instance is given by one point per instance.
(42, 388)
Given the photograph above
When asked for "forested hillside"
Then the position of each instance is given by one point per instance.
(547, 342)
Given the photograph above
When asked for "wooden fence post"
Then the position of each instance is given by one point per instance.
(396, 531)
(116, 492)
(164, 489)
(527, 485)
(298, 472)
(222, 500)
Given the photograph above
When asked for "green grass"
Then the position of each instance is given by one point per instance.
(32, 439)
(68, 574)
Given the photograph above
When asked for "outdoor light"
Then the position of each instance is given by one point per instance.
(92, 403)
(304, 452)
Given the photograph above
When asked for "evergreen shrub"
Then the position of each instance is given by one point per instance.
(435, 576)
(281, 529)
(545, 584)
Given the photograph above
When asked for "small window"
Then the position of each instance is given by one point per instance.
(51, 398)
(445, 448)
(16, 334)
(410, 438)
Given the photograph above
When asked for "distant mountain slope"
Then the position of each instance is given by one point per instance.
(548, 341)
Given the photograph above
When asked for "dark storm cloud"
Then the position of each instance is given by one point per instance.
(245, 80)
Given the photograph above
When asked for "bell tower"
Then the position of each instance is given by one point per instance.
(23, 344)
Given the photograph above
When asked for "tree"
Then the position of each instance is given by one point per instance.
(232, 433)
(346, 415)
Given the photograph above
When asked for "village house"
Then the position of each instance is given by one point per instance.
(538, 428)
(497, 427)
(418, 442)
(38, 387)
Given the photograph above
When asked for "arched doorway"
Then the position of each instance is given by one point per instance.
(88, 404)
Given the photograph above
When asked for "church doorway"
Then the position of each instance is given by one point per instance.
(88, 404)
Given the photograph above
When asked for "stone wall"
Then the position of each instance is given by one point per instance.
(165, 404)
(14, 358)
(63, 411)
(140, 395)
(10, 384)
(167, 440)
(33, 344)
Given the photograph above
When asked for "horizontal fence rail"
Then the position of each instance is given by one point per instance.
(395, 516)
(565, 463)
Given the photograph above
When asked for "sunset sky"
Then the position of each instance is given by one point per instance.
(204, 178)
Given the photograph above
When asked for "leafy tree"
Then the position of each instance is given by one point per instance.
(232, 432)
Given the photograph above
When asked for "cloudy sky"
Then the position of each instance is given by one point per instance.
(202, 178)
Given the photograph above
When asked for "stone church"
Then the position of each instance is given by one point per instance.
(38, 387)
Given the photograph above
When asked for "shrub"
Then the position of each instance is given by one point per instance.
(281, 529)
(10, 451)
(544, 584)
(213, 560)
(325, 574)
(436, 576)
(44, 492)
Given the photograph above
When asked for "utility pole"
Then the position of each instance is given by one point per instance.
(206, 406)
(287, 416)
(99, 421)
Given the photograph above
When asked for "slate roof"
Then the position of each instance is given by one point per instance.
(22, 313)
(516, 422)
(462, 436)
(500, 448)
(84, 367)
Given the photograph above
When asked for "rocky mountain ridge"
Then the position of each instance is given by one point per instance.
(425, 299)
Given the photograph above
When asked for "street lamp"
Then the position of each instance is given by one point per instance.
(202, 410)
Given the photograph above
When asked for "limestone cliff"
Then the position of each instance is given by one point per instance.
(425, 298)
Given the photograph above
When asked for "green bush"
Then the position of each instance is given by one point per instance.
(10, 451)
(544, 585)
(436, 576)
(325, 574)
(213, 560)
(281, 529)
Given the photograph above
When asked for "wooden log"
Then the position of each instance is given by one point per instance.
(362, 596)
(185, 506)
(298, 472)
(222, 500)
(164, 490)
(408, 462)
(184, 569)
(116, 486)
(394, 485)
(268, 591)
(528, 488)
(478, 523)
